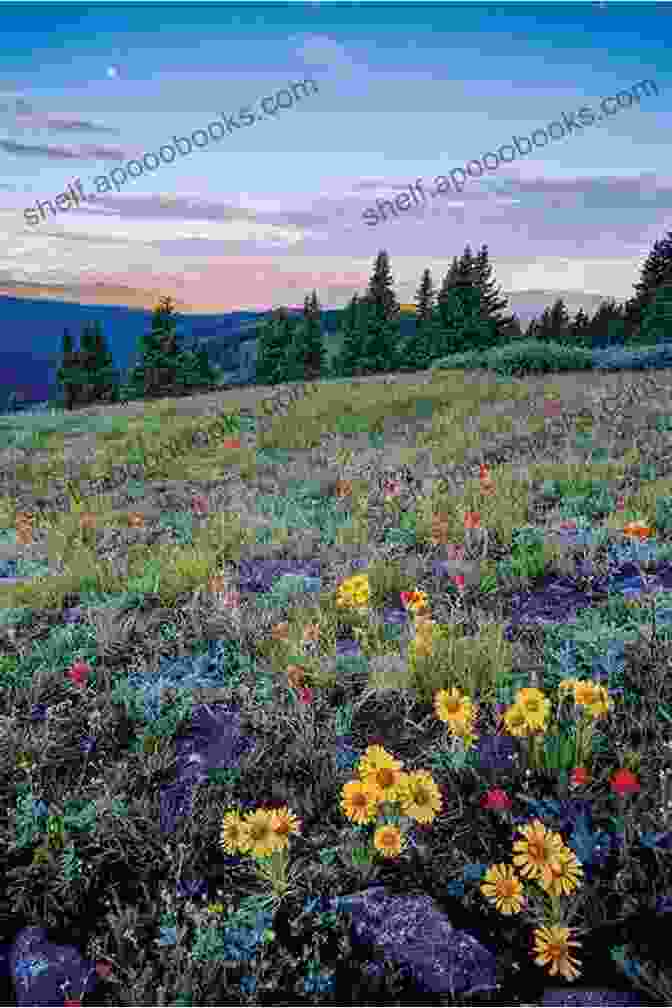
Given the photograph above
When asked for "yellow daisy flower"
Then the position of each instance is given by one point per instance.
(553, 946)
(234, 834)
(538, 850)
(534, 705)
(388, 840)
(262, 837)
(382, 771)
(359, 802)
(454, 708)
(419, 796)
(285, 824)
(515, 722)
(562, 877)
(503, 888)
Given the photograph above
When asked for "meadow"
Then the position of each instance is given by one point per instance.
(441, 604)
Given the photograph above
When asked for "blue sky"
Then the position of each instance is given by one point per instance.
(271, 210)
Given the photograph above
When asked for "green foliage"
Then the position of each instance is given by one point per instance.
(657, 319)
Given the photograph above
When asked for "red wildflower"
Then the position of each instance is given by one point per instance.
(579, 777)
(472, 520)
(79, 673)
(305, 694)
(496, 799)
(624, 782)
(458, 580)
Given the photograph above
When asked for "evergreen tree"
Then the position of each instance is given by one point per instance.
(657, 318)
(418, 348)
(656, 272)
(578, 329)
(105, 378)
(602, 331)
(491, 302)
(559, 322)
(380, 293)
(155, 373)
(379, 321)
(347, 360)
(553, 325)
(462, 326)
(275, 348)
(65, 373)
(307, 359)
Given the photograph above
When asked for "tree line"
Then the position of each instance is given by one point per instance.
(466, 313)
(87, 375)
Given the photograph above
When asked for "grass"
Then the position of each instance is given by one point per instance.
(101, 872)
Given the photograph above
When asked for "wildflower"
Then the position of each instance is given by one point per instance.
(103, 969)
(454, 708)
(458, 580)
(262, 837)
(637, 530)
(496, 799)
(311, 632)
(454, 552)
(136, 520)
(538, 850)
(552, 407)
(552, 946)
(579, 777)
(534, 706)
(391, 489)
(472, 520)
(234, 835)
(305, 694)
(382, 770)
(87, 520)
(503, 887)
(199, 504)
(419, 796)
(284, 824)
(295, 676)
(359, 801)
(620, 503)
(388, 840)
(515, 721)
(624, 782)
(440, 529)
(414, 600)
(79, 673)
(231, 443)
(280, 632)
(343, 488)
(353, 592)
(562, 877)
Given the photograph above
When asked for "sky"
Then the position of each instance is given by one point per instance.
(400, 94)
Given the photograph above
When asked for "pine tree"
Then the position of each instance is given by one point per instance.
(379, 322)
(349, 331)
(417, 350)
(656, 272)
(308, 355)
(275, 348)
(65, 373)
(559, 322)
(104, 378)
(578, 329)
(602, 330)
(156, 372)
(462, 325)
(491, 303)
(657, 319)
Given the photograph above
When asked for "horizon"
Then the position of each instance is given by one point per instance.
(246, 222)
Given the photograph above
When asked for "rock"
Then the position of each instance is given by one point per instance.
(413, 931)
(40, 968)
